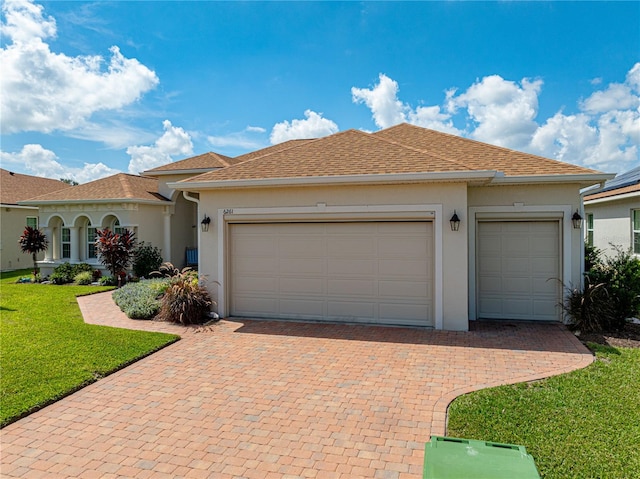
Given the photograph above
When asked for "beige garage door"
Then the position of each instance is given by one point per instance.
(518, 270)
(380, 272)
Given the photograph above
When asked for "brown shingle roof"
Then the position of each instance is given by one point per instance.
(117, 187)
(16, 187)
(615, 192)
(350, 152)
(477, 155)
(271, 149)
(400, 149)
(205, 161)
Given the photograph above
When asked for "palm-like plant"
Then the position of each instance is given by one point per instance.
(114, 249)
(33, 241)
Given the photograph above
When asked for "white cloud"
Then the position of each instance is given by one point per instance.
(314, 126)
(382, 100)
(39, 161)
(605, 135)
(388, 110)
(255, 129)
(46, 91)
(234, 140)
(174, 141)
(503, 111)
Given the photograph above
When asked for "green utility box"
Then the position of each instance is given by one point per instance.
(451, 458)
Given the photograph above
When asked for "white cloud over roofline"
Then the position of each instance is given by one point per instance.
(313, 126)
(44, 163)
(46, 91)
(173, 142)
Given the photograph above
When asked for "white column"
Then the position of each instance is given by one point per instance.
(75, 244)
(48, 254)
(166, 250)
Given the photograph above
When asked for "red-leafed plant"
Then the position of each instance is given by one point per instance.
(115, 250)
(33, 241)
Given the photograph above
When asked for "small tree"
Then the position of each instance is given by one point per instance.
(33, 241)
(146, 258)
(114, 249)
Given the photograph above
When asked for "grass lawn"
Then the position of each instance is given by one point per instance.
(46, 349)
(585, 424)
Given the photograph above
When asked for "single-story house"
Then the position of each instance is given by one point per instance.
(405, 226)
(361, 227)
(15, 187)
(612, 214)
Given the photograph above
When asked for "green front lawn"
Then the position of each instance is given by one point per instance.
(46, 349)
(585, 424)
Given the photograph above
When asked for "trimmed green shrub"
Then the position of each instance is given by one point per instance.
(141, 300)
(620, 275)
(185, 301)
(84, 278)
(108, 281)
(146, 258)
(66, 272)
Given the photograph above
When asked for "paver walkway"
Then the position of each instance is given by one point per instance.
(261, 399)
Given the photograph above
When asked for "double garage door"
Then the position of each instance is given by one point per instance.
(375, 272)
(518, 270)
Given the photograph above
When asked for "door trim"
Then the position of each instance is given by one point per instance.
(560, 213)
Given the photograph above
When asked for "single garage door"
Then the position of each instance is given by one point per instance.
(518, 268)
(377, 272)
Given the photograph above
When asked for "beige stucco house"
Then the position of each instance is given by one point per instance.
(356, 227)
(15, 187)
(353, 227)
(612, 215)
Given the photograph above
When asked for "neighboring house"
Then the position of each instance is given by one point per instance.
(355, 227)
(612, 215)
(15, 187)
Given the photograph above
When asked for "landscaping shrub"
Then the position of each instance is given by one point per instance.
(621, 276)
(589, 308)
(114, 249)
(168, 270)
(66, 272)
(146, 258)
(84, 278)
(108, 281)
(141, 300)
(185, 301)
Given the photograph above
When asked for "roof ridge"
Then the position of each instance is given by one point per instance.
(124, 183)
(424, 152)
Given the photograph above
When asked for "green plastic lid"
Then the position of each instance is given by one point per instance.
(452, 458)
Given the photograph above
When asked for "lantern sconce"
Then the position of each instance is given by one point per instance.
(204, 224)
(576, 219)
(455, 222)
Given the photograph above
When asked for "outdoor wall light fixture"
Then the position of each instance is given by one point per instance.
(204, 224)
(576, 219)
(455, 222)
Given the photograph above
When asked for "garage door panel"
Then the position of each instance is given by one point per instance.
(300, 266)
(247, 284)
(300, 286)
(255, 246)
(369, 271)
(514, 263)
(351, 266)
(405, 289)
(351, 287)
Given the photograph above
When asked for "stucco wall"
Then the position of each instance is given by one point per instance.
(14, 219)
(452, 196)
(612, 223)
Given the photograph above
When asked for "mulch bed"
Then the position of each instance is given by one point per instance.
(629, 337)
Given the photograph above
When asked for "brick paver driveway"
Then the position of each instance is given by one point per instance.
(262, 399)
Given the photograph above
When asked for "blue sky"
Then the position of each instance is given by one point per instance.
(93, 88)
